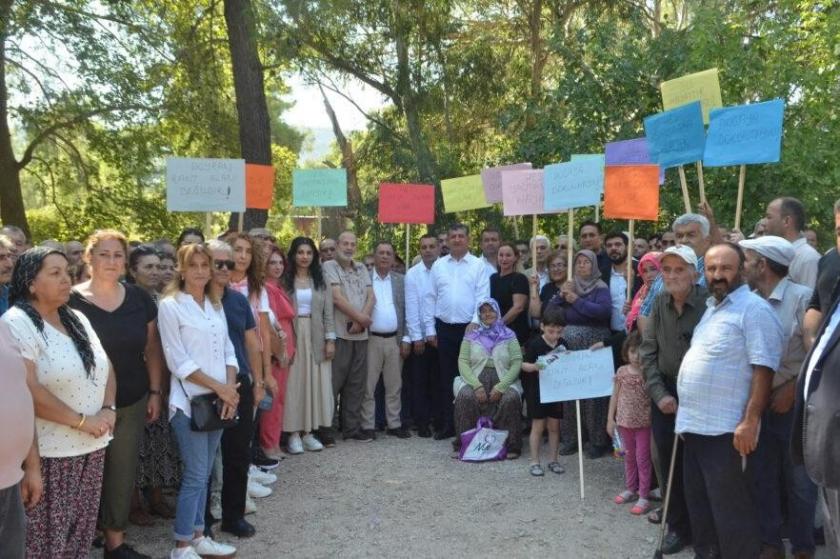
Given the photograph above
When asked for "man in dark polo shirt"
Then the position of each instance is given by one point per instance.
(665, 340)
(825, 292)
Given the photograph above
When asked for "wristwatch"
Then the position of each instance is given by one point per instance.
(112, 407)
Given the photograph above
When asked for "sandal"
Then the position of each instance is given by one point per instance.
(556, 467)
(537, 471)
(625, 497)
(655, 517)
(641, 507)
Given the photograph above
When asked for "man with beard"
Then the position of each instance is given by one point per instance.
(641, 246)
(724, 386)
(775, 479)
(590, 239)
(7, 263)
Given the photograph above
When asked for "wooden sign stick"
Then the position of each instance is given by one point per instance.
(684, 186)
(319, 217)
(630, 261)
(598, 212)
(742, 178)
(700, 180)
(570, 276)
(241, 222)
(407, 246)
(208, 224)
(534, 247)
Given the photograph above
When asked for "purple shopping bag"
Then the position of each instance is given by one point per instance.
(483, 443)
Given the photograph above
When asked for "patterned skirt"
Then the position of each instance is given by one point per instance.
(159, 464)
(63, 523)
(506, 413)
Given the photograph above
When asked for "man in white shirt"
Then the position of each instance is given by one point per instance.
(388, 343)
(458, 283)
(491, 238)
(785, 217)
(424, 365)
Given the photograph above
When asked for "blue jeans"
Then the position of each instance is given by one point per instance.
(198, 449)
(776, 477)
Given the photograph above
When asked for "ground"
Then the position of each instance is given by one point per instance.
(407, 498)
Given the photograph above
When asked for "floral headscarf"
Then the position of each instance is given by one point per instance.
(490, 336)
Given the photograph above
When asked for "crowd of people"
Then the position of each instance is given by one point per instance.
(136, 370)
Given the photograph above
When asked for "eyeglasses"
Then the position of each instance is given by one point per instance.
(222, 264)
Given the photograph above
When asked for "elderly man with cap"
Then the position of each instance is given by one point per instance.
(665, 340)
(724, 386)
(775, 479)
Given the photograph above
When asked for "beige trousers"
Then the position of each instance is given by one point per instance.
(383, 358)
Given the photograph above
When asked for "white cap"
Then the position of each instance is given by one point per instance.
(682, 251)
(773, 248)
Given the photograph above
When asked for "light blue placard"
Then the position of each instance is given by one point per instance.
(584, 156)
(575, 184)
(205, 185)
(676, 137)
(577, 375)
(319, 187)
(745, 135)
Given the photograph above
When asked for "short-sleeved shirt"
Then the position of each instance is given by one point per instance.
(354, 284)
(123, 333)
(827, 282)
(534, 349)
(632, 404)
(502, 289)
(240, 319)
(60, 370)
(716, 373)
(17, 413)
(803, 267)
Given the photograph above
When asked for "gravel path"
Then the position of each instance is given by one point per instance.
(407, 498)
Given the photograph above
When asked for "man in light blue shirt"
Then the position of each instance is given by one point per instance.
(724, 385)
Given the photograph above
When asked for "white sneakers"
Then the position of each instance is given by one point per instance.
(261, 477)
(312, 444)
(203, 547)
(295, 445)
(258, 491)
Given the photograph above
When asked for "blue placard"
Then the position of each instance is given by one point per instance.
(574, 184)
(745, 135)
(319, 187)
(676, 137)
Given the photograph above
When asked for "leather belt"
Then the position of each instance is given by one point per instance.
(385, 335)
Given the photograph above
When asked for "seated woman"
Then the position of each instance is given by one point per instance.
(488, 385)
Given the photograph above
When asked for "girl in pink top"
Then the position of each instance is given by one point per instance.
(630, 411)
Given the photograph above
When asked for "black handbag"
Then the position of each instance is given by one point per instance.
(206, 412)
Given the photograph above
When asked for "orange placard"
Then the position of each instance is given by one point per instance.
(259, 186)
(631, 192)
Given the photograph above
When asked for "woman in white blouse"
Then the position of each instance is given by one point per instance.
(74, 391)
(201, 358)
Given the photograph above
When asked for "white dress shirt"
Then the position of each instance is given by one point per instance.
(456, 288)
(193, 338)
(803, 267)
(618, 294)
(489, 268)
(418, 282)
(790, 301)
(384, 315)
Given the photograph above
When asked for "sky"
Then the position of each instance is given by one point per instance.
(308, 111)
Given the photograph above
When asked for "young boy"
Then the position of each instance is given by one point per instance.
(551, 325)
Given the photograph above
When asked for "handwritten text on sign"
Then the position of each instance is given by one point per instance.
(702, 86)
(577, 375)
(406, 203)
(463, 193)
(676, 137)
(491, 179)
(205, 185)
(574, 184)
(630, 152)
(522, 192)
(319, 187)
(631, 192)
(745, 135)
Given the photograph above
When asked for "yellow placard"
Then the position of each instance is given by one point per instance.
(703, 86)
(463, 193)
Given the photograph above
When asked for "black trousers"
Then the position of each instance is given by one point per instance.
(720, 505)
(449, 338)
(662, 427)
(424, 374)
(236, 455)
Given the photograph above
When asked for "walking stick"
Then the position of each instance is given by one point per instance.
(664, 527)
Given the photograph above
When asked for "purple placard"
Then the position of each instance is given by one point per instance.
(630, 152)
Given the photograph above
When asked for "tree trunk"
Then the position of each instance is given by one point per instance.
(251, 106)
(337, 217)
(12, 211)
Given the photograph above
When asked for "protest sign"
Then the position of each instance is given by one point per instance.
(573, 185)
(630, 152)
(703, 86)
(631, 192)
(676, 137)
(205, 185)
(406, 203)
(319, 187)
(259, 186)
(577, 375)
(522, 192)
(745, 135)
(585, 156)
(491, 179)
(463, 193)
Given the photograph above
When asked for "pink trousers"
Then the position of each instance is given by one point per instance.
(271, 421)
(637, 466)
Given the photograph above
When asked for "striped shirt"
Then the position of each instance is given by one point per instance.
(714, 381)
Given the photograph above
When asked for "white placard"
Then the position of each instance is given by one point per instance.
(577, 375)
(205, 185)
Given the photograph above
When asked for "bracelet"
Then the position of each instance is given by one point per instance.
(82, 422)
(155, 392)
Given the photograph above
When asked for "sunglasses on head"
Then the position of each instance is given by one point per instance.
(222, 264)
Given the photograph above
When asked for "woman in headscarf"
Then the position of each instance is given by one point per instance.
(649, 269)
(488, 385)
(74, 392)
(587, 305)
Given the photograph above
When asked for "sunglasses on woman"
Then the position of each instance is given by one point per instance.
(222, 264)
